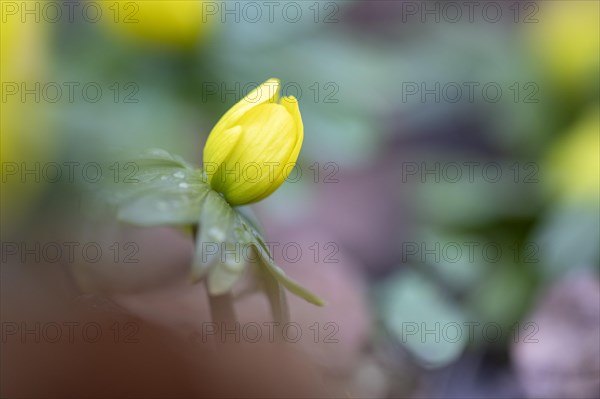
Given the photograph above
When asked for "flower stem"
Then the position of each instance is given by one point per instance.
(221, 306)
(222, 311)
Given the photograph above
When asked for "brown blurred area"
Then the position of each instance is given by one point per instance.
(108, 330)
(146, 360)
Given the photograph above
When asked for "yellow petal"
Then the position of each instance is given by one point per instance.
(257, 162)
(573, 164)
(291, 105)
(254, 146)
(266, 92)
(218, 147)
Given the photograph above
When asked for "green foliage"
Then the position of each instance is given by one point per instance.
(165, 190)
(411, 305)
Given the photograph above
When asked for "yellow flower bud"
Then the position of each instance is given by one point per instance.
(573, 164)
(566, 41)
(254, 146)
(24, 141)
(169, 22)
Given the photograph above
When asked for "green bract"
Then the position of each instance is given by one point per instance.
(166, 190)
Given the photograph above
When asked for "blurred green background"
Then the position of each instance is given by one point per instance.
(401, 101)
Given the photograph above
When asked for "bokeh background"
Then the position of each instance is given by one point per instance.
(453, 233)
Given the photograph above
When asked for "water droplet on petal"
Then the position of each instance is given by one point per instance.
(183, 185)
(178, 175)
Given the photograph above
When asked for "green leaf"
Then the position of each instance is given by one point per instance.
(410, 306)
(160, 156)
(162, 207)
(249, 218)
(251, 236)
(290, 284)
(216, 223)
(156, 188)
(565, 238)
(165, 190)
(279, 274)
(222, 277)
(274, 291)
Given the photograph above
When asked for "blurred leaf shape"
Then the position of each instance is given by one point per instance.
(475, 203)
(568, 238)
(409, 301)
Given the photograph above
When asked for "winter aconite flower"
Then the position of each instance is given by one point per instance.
(254, 147)
(248, 155)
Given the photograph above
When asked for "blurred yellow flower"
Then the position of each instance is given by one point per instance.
(254, 146)
(573, 164)
(566, 40)
(175, 23)
(26, 138)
